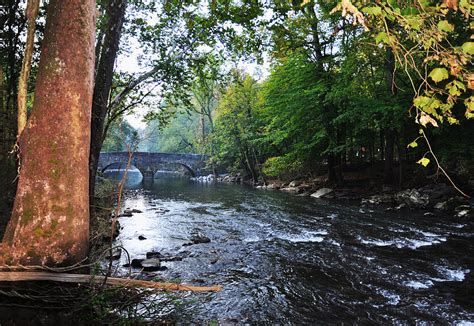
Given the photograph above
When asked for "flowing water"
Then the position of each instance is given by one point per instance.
(297, 260)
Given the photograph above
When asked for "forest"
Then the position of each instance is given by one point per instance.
(364, 100)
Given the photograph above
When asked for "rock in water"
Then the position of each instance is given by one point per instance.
(295, 183)
(151, 265)
(413, 198)
(153, 254)
(141, 237)
(322, 192)
(135, 263)
(116, 253)
(442, 206)
(199, 238)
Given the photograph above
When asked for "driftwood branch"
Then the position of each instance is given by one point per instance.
(84, 278)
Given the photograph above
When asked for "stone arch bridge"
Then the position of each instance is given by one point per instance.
(149, 163)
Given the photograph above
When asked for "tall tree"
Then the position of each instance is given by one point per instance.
(32, 9)
(50, 219)
(106, 52)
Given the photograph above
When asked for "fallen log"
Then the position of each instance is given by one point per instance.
(84, 278)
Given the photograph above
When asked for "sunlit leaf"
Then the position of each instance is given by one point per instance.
(424, 161)
(439, 74)
(445, 26)
(413, 144)
(382, 37)
(468, 48)
(373, 10)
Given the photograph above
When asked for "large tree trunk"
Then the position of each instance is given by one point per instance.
(115, 12)
(50, 219)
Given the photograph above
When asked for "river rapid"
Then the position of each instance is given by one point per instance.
(297, 260)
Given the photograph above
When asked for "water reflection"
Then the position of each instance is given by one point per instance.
(116, 171)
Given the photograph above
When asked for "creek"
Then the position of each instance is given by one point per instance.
(297, 260)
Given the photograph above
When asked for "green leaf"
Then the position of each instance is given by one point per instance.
(445, 26)
(415, 22)
(453, 121)
(381, 37)
(424, 161)
(372, 10)
(421, 101)
(413, 144)
(468, 48)
(439, 74)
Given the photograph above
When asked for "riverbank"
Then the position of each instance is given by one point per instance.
(432, 196)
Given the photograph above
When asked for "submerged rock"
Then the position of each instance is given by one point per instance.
(378, 200)
(141, 237)
(322, 192)
(198, 237)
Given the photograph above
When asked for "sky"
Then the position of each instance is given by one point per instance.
(129, 63)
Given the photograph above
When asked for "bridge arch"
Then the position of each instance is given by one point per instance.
(119, 165)
(149, 163)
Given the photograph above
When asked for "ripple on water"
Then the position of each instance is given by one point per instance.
(450, 274)
(263, 252)
(429, 239)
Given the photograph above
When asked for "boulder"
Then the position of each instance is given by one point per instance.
(198, 237)
(141, 237)
(153, 254)
(273, 186)
(322, 192)
(295, 183)
(442, 206)
(135, 263)
(295, 190)
(412, 198)
(151, 265)
(126, 213)
(437, 192)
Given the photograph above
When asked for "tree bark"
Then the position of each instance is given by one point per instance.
(115, 12)
(50, 219)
